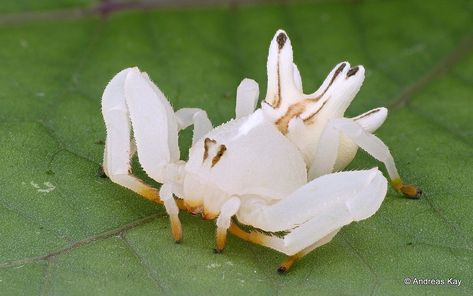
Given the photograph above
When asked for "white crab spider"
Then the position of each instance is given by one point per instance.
(268, 170)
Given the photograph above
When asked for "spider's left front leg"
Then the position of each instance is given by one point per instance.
(133, 105)
(312, 215)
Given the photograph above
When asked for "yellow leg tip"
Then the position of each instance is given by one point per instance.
(176, 229)
(409, 191)
(288, 263)
(221, 239)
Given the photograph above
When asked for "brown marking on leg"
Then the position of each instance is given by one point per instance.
(220, 152)
(298, 108)
(294, 110)
(309, 119)
(367, 114)
(281, 41)
(352, 71)
(335, 75)
(207, 143)
(277, 97)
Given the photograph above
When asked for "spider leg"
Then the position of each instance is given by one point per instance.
(328, 159)
(311, 216)
(229, 209)
(283, 84)
(370, 121)
(196, 117)
(297, 77)
(132, 102)
(119, 148)
(246, 97)
(326, 154)
(290, 260)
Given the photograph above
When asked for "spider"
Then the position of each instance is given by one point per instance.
(270, 176)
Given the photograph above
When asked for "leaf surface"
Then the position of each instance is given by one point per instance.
(65, 231)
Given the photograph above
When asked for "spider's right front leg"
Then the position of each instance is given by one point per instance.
(131, 101)
(327, 153)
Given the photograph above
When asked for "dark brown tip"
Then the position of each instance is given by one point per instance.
(281, 40)
(282, 269)
(339, 69)
(352, 71)
(335, 75)
(217, 251)
(101, 173)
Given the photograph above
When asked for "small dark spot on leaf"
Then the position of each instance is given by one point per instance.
(50, 172)
(100, 142)
(409, 244)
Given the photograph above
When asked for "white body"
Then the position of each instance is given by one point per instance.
(271, 168)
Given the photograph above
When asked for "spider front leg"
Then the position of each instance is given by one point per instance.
(119, 146)
(290, 260)
(131, 101)
(313, 214)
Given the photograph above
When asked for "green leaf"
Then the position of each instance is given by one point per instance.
(65, 231)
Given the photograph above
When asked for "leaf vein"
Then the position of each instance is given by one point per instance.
(80, 243)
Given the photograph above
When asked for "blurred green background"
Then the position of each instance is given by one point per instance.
(65, 231)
